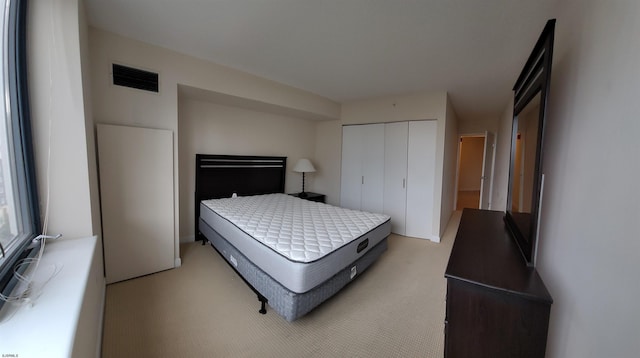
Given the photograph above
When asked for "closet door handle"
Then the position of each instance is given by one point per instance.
(363, 180)
(403, 183)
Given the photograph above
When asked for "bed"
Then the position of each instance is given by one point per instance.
(293, 253)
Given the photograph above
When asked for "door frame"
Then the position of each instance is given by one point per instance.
(493, 159)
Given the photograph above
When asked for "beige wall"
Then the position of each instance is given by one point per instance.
(426, 105)
(479, 125)
(328, 155)
(210, 128)
(58, 117)
(58, 62)
(450, 160)
(125, 106)
(94, 190)
(588, 246)
(176, 68)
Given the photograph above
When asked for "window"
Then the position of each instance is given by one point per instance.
(19, 216)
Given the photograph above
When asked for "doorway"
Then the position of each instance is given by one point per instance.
(474, 171)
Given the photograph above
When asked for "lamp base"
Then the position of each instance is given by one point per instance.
(303, 195)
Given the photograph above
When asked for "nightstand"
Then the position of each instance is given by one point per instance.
(310, 196)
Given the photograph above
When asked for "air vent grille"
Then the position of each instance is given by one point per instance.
(135, 78)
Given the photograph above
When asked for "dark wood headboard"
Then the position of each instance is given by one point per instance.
(219, 176)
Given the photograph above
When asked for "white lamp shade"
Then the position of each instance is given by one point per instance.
(304, 166)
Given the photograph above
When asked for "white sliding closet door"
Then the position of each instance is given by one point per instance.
(362, 177)
(351, 175)
(390, 168)
(373, 168)
(136, 187)
(421, 164)
(395, 174)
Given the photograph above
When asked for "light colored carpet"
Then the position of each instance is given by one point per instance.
(202, 309)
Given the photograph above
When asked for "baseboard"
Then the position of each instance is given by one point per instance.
(431, 238)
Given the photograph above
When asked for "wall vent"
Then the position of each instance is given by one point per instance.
(135, 78)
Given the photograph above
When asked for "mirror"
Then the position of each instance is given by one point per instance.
(526, 124)
(525, 178)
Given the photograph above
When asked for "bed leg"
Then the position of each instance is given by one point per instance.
(263, 301)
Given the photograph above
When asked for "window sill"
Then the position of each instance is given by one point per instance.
(49, 327)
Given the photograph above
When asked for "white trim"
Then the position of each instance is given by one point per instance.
(455, 193)
(493, 170)
(432, 238)
(103, 302)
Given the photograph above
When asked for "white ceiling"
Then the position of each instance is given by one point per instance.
(349, 49)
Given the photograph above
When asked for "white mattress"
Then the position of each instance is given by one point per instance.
(297, 242)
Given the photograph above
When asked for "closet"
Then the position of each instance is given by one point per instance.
(362, 167)
(391, 165)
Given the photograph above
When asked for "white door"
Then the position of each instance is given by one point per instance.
(372, 168)
(486, 184)
(421, 164)
(362, 176)
(395, 174)
(351, 175)
(136, 190)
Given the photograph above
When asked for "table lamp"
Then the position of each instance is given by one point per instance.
(303, 166)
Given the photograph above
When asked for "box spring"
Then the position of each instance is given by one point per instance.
(288, 304)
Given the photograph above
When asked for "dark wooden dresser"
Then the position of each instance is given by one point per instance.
(497, 306)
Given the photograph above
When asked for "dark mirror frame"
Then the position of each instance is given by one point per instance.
(535, 78)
